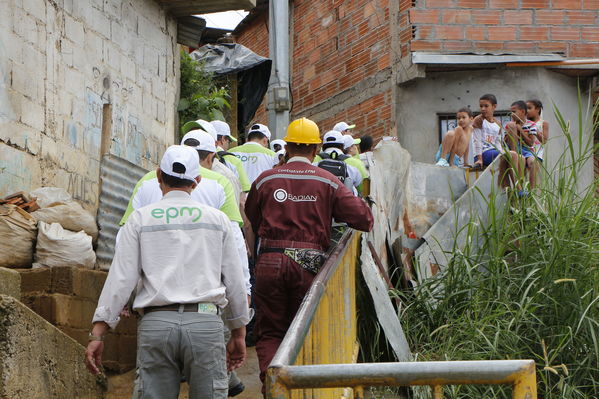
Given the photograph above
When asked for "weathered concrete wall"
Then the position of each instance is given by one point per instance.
(67, 297)
(39, 361)
(61, 63)
(420, 100)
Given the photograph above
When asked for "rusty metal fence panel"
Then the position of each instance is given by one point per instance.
(117, 180)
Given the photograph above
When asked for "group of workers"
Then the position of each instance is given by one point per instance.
(182, 252)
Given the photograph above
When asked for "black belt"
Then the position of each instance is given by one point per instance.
(209, 308)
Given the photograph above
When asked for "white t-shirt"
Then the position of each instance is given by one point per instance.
(255, 158)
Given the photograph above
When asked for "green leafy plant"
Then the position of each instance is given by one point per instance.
(201, 97)
(530, 292)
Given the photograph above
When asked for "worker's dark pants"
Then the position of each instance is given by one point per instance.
(281, 285)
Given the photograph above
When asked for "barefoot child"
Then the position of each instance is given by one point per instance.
(456, 143)
(535, 107)
(520, 137)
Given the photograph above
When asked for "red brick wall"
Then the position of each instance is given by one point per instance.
(335, 45)
(255, 37)
(520, 26)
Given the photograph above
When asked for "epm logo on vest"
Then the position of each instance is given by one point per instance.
(247, 158)
(281, 195)
(174, 213)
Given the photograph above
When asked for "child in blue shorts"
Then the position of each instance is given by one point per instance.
(487, 132)
(521, 137)
(456, 143)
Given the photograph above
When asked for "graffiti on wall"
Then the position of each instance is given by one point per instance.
(92, 132)
(6, 112)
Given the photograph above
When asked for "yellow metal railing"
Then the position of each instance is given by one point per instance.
(317, 358)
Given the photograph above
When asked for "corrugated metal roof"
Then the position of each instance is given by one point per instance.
(180, 8)
(117, 178)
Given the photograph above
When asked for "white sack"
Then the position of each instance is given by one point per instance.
(46, 196)
(59, 247)
(70, 215)
(17, 236)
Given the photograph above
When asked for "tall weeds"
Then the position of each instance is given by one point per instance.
(530, 292)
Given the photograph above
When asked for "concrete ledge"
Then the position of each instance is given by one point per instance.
(10, 283)
(38, 361)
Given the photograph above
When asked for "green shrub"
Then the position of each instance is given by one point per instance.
(201, 97)
(532, 292)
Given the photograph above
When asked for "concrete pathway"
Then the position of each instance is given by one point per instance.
(121, 386)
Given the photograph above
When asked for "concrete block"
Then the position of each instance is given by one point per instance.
(113, 8)
(35, 280)
(79, 282)
(127, 352)
(150, 60)
(74, 30)
(127, 325)
(23, 83)
(10, 283)
(39, 361)
(99, 22)
(110, 356)
(94, 45)
(13, 47)
(24, 25)
(33, 115)
(74, 81)
(72, 311)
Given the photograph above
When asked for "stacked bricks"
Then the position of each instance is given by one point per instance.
(335, 47)
(568, 27)
(67, 298)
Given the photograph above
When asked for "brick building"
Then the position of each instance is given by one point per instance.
(404, 67)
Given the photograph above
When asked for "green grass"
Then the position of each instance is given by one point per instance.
(530, 292)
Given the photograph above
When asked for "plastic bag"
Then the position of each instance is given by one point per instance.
(17, 236)
(46, 196)
(71, 216)
(59, 247)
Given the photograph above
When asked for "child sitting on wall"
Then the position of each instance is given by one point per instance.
(456, 143)
(535, 108)
(521, 135)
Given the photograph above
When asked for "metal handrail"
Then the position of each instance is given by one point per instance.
(283, 376)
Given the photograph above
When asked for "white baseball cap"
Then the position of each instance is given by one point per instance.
(206, 141)
(348, 141)
(342, 126)
(258, 127)
(333, 137)
(280, 142)
(181, 161)
(223, 129)
(200, 124)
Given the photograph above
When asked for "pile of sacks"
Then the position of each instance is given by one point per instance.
(46, 229)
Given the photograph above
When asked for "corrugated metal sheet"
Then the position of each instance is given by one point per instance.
(117, 179)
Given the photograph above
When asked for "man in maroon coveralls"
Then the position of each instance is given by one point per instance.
(291, 208)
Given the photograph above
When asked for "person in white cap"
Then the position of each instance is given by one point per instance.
(213, 190)
(277, 145)
(255, 154)
(223, 143)
(218, 167)
(333, 144)
(180, 250)
(343, 127)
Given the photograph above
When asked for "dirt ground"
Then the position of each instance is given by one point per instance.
(121, 386)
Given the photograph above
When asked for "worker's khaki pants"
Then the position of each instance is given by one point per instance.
(170, 344)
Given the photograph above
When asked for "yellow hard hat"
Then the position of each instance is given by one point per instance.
(303, 131)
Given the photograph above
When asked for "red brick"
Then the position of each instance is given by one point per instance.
(476, 33)
(584, 50)
(565, 33)
(535, 4)
(439, 3)
(458, 45)
(591, 4)
(567, 4)
(486, 17)
(472, 3)
(520, 46)
(554, 47)
(424, 32)
(520, 17)
(449, 32)
(503, 4)
(535, 33)
(582, 17)
(456, 16)
(490, 46)
(405, 5)
(590, 34)
(502, 33)
(549, 17)
(418, 45)
(424, 16)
